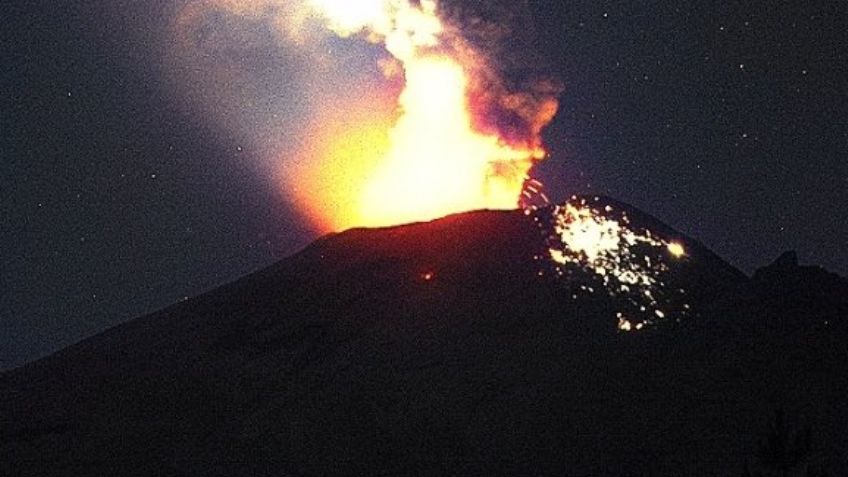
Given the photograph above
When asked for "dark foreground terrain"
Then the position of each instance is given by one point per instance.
(437, 349)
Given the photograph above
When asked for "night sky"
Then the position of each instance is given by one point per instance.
(137, 172)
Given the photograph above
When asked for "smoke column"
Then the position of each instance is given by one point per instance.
(450, 127)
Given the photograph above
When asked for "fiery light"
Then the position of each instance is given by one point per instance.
(435, 162)
(352, 143)
(448, 133)
(459, 135)
(629, 263)
(676, 249)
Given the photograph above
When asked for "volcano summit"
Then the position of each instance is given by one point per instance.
(444, 348)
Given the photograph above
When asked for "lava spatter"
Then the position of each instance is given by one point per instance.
(594, 248)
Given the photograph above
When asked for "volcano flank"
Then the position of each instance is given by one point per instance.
(447, 347)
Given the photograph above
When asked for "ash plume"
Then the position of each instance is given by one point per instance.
(465, 111)
(512, 94)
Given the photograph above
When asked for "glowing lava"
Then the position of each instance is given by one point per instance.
(435, 162)
(626, 262)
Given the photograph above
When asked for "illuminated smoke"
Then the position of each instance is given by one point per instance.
(460, 137)
(451, 127)
(440, 156)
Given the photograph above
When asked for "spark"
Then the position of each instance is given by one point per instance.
(676, 249)
(630, 263)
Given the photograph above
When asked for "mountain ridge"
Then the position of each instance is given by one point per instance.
(433, 347)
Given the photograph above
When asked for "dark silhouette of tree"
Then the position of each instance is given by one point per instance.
(785, 452)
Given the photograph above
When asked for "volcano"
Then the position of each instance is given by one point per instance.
(442, 348)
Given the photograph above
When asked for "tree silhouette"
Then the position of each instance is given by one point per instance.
(785, 453)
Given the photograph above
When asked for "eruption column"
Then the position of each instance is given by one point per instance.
(435, 162)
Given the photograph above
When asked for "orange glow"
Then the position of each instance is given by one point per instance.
(454, 135)
(332, 171)
(427, 276)
(430, 162)
(437, 163)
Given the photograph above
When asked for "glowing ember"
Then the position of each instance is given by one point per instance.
(676, 249)
(629, 263)
(435, 162)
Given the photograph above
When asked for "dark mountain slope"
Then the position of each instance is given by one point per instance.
(432, 348)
